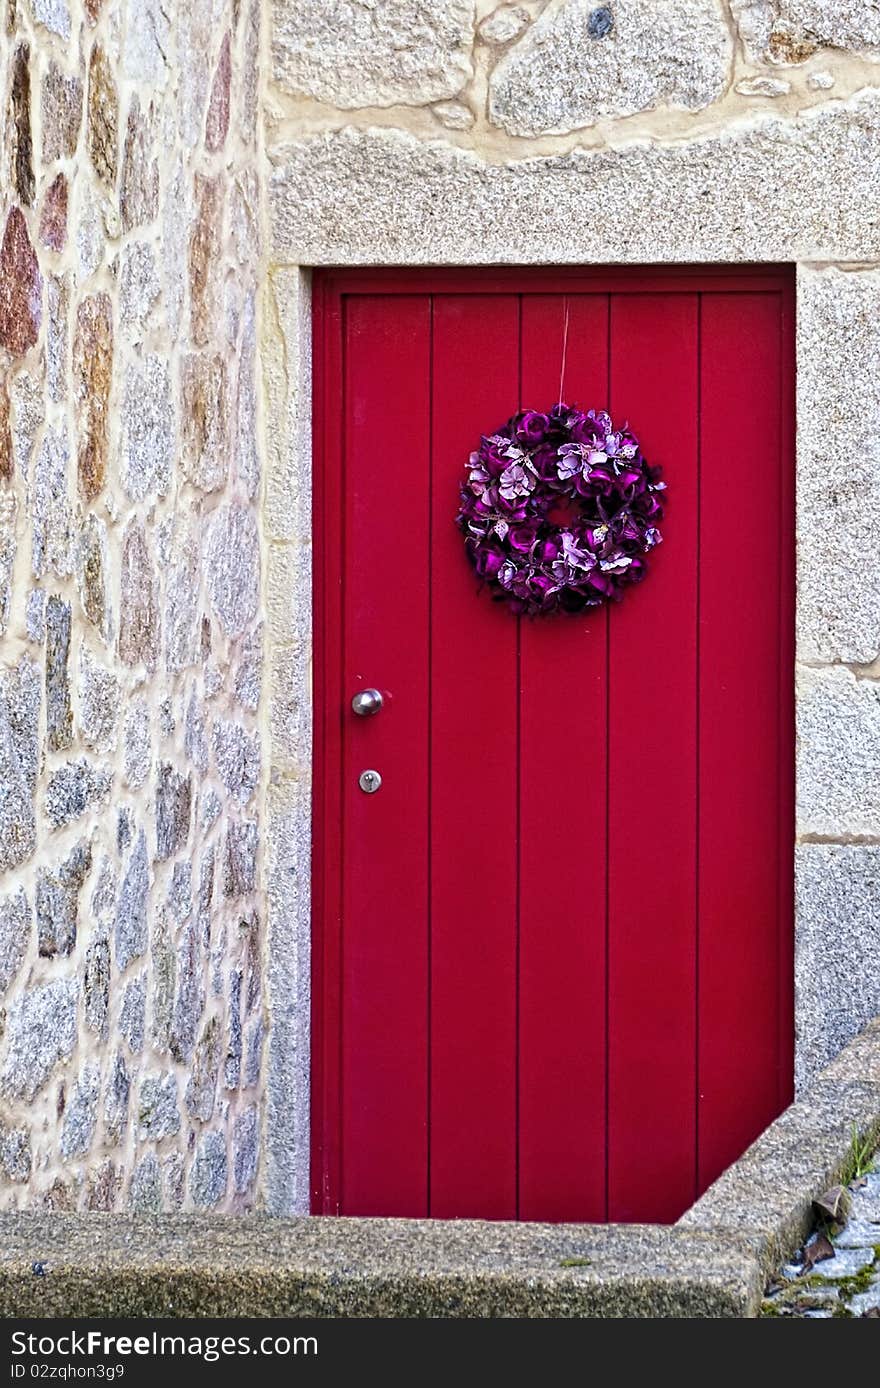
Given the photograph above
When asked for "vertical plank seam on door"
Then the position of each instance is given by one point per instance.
(331, 324)
(318, 1184)
(607, 615)
(779, 562)
(788, 309)
(699, 562)
(429, 961)
(343, 579)
(780, 584)
(519, 386)
(316, 1033)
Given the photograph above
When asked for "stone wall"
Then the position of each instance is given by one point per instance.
(551, 131)
(154, 847)
(131, 764)
(512, 79)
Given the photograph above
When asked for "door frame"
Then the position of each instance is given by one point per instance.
(328, 290)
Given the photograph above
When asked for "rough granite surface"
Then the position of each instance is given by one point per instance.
(350, 54)
(712, 1264)
(622, 133)
(836, 944)
(838, 753)
(838, 490)
(791, 31)
(766, 1197)
(130, 246)
(705, 199)
(571, 71)
(192, 1266)
(155, 534)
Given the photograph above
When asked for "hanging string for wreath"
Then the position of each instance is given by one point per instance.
(559, 510)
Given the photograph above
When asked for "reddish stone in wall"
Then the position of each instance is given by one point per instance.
(92, 374)
(139, 185)
(250, 78)
(6, 461)
(204, 259)
(61, 107)
(19, 126)
(205, 401)
(103, 117)
(217, 123)
(105, 1183)
(53, 217)
(139, 607)
(21, 287)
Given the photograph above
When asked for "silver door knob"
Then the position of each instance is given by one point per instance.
(367, 702)
(369, 782)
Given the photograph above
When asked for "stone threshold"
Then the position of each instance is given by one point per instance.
(713, 1263)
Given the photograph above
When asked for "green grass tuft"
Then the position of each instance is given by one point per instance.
(860, 1158)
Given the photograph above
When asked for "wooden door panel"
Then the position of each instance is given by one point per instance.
(384, 1094)
(744, 824)
(563, 765)
(552, 955)
(473, 792)
(652, 781)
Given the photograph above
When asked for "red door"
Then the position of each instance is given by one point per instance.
(552, 952)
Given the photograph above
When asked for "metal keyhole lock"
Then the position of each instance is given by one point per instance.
(365, 704)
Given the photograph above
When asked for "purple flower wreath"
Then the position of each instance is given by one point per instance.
(559, 510)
